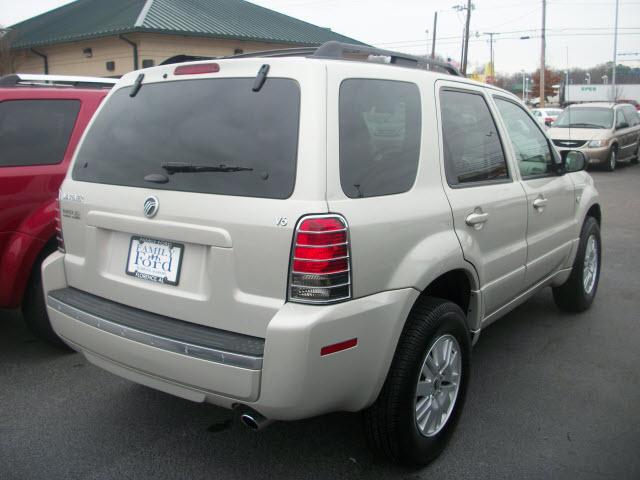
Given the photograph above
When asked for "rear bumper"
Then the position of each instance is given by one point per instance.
(290, 380)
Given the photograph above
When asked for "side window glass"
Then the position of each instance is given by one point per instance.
(379, 136)
(529, 143)
(631, 115)
(472, 148)
(35, 132)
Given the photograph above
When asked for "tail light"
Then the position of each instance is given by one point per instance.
(320, 270)
(58, 225)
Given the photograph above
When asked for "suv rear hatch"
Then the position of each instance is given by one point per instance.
(184, 194)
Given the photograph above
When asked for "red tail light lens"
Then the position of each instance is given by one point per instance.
(320, 266)
(197, 69)
(58, 225)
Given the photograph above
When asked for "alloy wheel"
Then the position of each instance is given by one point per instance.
(590, 266)
(438, 385)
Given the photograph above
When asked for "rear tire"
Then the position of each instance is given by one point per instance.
(636, 157)
(577, 293)
(34, 309)
(411, 397)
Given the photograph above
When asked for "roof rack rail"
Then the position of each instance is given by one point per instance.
(347, 51)
(282, 52)
(334, 49)
(22, 79)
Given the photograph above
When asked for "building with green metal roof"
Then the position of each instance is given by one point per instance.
(110, 38)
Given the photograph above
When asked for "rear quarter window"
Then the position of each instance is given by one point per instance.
(35, 132)
(380, 125)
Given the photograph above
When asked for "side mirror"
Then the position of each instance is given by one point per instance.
(573, 161)
(622, 125)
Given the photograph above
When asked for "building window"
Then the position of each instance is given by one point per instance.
(238, 51)
(87, 52)
(148, 63)
(111, 66)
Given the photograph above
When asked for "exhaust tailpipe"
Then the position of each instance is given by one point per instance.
(252, 419)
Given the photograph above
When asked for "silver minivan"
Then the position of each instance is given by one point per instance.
(300, 232)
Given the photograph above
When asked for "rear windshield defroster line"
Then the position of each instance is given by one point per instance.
(209, 123)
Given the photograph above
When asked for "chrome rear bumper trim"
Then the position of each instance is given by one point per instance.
(164, 343)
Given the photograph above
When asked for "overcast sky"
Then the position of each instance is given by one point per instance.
(583, 29)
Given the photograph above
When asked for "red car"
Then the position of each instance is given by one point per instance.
(41, 121)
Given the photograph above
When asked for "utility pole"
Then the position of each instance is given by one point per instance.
(491, 56)
(542, 53)
(615, 55)
(466, 39)
(433, 40)
(427, 34)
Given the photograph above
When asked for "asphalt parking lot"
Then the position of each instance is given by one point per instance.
(553, 395)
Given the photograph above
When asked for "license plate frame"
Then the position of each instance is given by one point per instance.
(171, 252)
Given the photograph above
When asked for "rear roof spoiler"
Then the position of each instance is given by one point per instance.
(185, 58)
(26, 79)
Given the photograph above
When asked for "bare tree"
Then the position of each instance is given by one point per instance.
(7, 56)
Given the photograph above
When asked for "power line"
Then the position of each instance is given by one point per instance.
(398, 43)
(413, 47)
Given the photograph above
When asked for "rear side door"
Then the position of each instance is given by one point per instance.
(35, 146)
(632, 118)
(623, 134)
(488, 204)
(550, 196)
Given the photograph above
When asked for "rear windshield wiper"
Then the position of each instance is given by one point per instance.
(181, 167)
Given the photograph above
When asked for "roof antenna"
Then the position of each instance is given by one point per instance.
(136, 85)
(260, 78)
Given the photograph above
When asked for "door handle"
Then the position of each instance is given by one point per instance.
(477, 219)
(539, 203)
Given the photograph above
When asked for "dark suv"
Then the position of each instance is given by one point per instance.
(41, 121)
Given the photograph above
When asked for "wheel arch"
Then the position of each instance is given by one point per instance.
(596, 212)
(460, 286)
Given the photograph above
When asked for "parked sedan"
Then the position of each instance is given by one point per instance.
(605, 132)
(546, 116)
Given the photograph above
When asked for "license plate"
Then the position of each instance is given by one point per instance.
(155, 260)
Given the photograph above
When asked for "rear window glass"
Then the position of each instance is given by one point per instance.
(379, 137)
(212, 123)
(35, 132)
